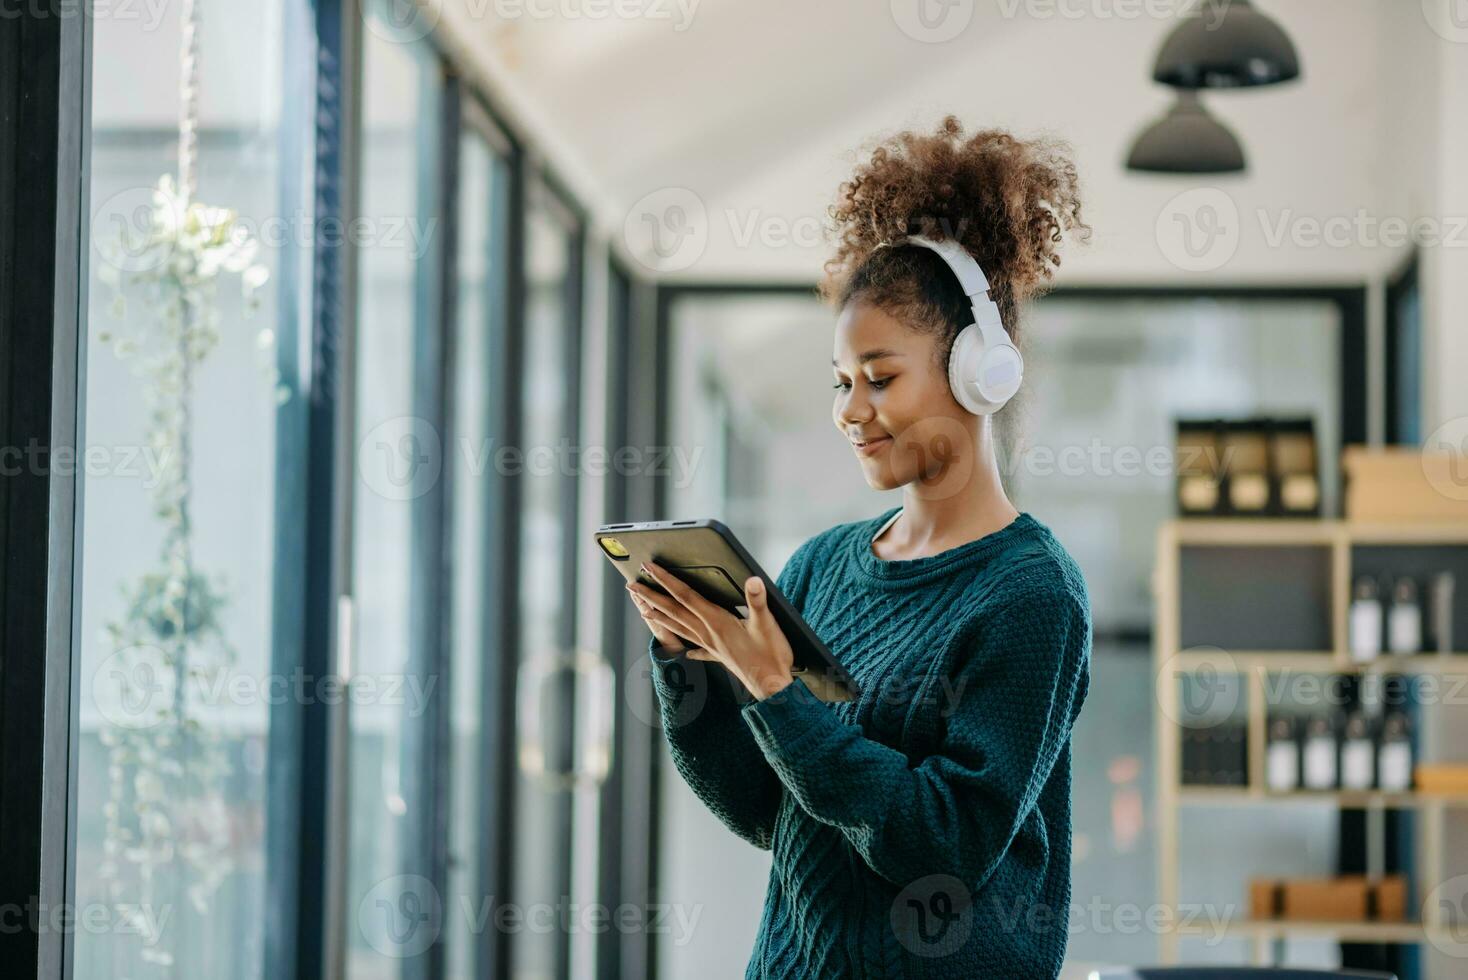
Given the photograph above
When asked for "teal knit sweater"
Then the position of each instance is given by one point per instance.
(922, 830)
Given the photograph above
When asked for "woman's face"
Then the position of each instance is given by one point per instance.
(891, 394)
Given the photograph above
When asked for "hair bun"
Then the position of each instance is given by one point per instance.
(1010, 202)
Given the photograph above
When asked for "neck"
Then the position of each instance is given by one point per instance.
(963, 502)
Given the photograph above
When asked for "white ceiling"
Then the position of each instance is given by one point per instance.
(757, 107)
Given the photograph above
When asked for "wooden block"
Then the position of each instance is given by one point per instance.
(1326, 899)
(1390, 898)
(1264, 899)
(1440, 777)
(1400, 483)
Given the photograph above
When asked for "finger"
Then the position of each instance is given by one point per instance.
(710, 615)
(671, 608)
(659, 619)
(757, 598)
(659, 624)
(666, 638)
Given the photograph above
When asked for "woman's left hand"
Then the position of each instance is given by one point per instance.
(754, 650)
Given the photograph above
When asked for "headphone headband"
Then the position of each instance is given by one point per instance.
(971, 279)
(985, 369)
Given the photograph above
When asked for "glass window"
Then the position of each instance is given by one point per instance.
(546, 690)
(191, 299)
(480, 316)
(392, 903)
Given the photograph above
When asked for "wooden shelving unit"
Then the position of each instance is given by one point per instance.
(1254, 666)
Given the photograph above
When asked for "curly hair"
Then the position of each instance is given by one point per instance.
(1009, 202)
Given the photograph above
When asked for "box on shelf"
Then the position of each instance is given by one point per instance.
(1401, 483)
(1247, 467)
(1344, 898)
(1441, 777)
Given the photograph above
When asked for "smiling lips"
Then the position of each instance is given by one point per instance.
(871, 446)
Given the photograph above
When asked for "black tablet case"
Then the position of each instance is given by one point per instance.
(706, 554)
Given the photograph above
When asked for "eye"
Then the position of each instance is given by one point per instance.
(878, 383)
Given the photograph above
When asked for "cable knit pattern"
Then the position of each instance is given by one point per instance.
(922, 830)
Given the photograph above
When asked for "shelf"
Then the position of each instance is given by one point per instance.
(1365, 932)
(1345, 799)
(1322, 661)
(1322, 531)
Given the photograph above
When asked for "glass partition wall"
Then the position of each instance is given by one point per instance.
(221, 350)
(193, 306)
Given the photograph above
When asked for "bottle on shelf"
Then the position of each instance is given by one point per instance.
(1394, 755)
(1282, 756)
(1404, 621)
(1319, 756)
(1358, 753)
(1442, 612)
(1365, 620)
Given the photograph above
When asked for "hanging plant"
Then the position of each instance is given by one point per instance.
(165, 815)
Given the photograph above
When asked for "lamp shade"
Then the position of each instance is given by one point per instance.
(1188, 140)
(1226, 44)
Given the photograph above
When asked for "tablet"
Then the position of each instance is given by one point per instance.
(706, 555)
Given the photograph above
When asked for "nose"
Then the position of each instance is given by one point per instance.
(851, 409)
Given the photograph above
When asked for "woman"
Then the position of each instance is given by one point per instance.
(922, 829)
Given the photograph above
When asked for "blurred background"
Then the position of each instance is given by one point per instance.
(386, 307)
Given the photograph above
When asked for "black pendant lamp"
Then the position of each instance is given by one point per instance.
(1188, 140)
(1226, 44)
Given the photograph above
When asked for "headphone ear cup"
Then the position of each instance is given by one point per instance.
(983, 379)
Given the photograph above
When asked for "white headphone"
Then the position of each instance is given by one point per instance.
(985, 369)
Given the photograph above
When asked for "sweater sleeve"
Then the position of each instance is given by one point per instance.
(1009, 710)
(711, 745)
